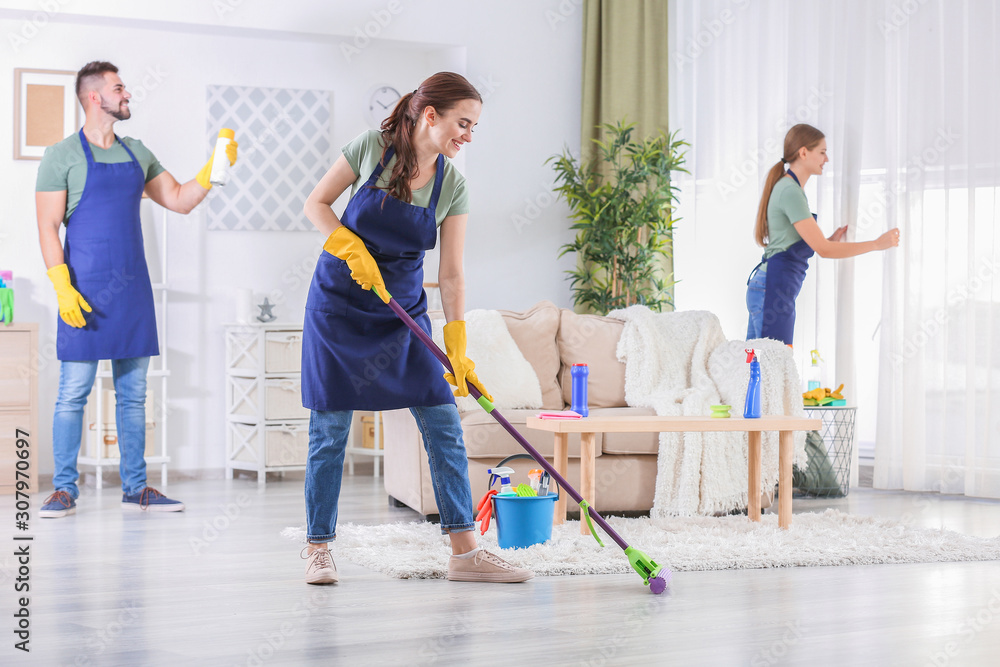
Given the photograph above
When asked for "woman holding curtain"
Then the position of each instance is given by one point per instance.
(790, 235)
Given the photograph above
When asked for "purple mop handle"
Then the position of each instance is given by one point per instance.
(563, 484)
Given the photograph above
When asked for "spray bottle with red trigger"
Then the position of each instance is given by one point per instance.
(751, 409)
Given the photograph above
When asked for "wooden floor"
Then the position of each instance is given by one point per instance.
(218, 585)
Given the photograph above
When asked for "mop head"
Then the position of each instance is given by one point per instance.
(653, 575)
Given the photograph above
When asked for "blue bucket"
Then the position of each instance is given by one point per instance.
(523, 520)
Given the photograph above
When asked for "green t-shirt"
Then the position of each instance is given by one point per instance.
(786, 206)
(64, 166)
(363, 154)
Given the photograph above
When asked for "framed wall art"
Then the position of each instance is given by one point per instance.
(46, 110)
(285, 148)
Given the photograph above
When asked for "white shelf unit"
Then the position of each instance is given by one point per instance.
(376, 453)
(267, 429)
(158, 370)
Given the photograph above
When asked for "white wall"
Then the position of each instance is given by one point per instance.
(525, 59)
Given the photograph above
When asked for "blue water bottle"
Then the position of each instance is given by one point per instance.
(580, 373)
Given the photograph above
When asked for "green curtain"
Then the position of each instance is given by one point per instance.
(625, 63)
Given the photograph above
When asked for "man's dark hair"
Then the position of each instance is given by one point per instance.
(92, 70)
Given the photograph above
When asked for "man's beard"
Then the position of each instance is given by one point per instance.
(118, 113)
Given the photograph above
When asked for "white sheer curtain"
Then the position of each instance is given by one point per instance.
(939, 364)
(906, 95)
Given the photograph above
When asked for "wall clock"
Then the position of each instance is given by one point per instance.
(379, 104)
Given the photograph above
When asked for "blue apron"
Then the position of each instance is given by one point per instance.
(107, 265)
(785, 272)
(356, 354)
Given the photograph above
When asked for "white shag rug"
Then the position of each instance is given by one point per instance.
(419, 551)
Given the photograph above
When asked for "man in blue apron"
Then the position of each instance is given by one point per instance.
(93, 181)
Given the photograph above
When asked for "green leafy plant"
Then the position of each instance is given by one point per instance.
(622, 203)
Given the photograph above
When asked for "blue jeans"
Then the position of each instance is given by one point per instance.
(442, 433)
(76, 379)
(755, 302)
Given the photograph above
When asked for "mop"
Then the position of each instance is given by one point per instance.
(653, 575)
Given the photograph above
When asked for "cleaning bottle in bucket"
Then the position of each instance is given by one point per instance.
(504, 475)
(752, 408)
(535, 478)
(579, 373)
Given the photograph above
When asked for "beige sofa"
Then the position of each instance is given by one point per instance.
(552, 340)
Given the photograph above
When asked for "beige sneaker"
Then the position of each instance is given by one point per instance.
(485, 566)
(320, 568)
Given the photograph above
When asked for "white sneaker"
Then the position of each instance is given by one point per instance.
(485, 566)
(320, 568)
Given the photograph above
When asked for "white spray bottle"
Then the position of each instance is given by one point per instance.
(814, 374)
(504, 475)
(220, 160)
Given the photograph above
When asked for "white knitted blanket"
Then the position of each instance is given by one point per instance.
(680, 364)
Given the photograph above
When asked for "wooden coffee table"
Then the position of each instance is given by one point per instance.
(589, 427)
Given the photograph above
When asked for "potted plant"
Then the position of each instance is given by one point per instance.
(622, 203)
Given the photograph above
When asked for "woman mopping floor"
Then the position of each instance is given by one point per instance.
(356, 354)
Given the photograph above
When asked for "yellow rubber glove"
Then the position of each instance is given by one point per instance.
(70, 301)
(346, 245)
(461, 365)
(816, 394)
(206, 171)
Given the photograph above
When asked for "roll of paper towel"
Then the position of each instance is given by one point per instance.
(244, 306)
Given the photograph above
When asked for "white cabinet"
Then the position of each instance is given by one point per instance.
(18, 405)
(267, 429)
(99, 442)
(104, 443)
(371, 438)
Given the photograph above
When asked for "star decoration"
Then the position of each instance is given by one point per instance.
(265, 311)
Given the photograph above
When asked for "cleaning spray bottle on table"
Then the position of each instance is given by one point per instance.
(752, 408)
(814, 374)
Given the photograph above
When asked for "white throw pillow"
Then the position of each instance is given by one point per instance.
(500, 366)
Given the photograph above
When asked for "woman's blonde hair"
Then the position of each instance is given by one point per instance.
(799, 136)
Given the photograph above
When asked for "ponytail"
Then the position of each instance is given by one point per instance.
(442, 91)
(398, 130)
(760, 229)
(800, 136)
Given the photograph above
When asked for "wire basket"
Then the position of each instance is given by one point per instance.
(837, 433)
